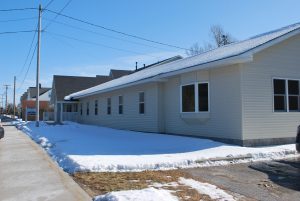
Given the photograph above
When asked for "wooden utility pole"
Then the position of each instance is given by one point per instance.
(6, 103)
(38, 69)
(14, 104)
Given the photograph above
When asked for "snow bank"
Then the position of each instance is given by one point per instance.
(148, 194)
(208, 189)
(79, 147)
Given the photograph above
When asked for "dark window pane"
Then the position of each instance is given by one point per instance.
(279, 86)
(109, 106)
(142, 108)
(120, 109)
(293, 87)
(279, 103)
(87, 109)
(188, 98)
(294, 103)
(203, 97)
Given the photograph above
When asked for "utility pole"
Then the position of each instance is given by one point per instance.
(6, 87)
(38, 69)
(14, 104)
(2, 102)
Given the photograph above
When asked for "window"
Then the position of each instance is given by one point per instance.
(279, 95)
(203, 97)
(286, 95)
(69, 108)
(142, 103)
(294, 95)
(81, 106)
(188, 98)
(195, 97)
(109, 106)
(120, 104)
(96, 107)
(87, 108)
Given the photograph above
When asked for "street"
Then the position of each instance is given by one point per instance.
(267, 181)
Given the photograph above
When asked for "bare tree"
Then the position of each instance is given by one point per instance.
(197, 49)
(219, 38)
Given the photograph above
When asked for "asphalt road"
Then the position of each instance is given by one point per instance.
(267, 181)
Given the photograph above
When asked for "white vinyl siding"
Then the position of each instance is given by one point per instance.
(130, 119)
(259, 118)
(224, 117)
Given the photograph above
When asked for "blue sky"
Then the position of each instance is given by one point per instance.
(176, 22)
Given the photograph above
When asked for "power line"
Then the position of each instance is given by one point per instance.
(16, 9)
(48, 4)
(29, 65)
(101, 34)
(28, 52)
(59, 13)
(115, 31)
(94, 43)
(19, 19)
(15, 32)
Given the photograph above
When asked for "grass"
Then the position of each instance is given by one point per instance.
(104, 182)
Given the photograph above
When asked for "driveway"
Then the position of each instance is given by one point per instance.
(268, 181)
(27, 172)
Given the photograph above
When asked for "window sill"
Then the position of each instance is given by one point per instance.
(195, 117)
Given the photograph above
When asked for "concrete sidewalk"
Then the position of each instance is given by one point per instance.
(28, 173)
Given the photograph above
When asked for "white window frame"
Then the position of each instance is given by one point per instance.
(286, 95)
(120, 104)
(96, 101)
(87, 112)
(196, 84)
(142, 102)
(108, 105)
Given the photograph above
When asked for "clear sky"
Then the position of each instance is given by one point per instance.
(176, 22)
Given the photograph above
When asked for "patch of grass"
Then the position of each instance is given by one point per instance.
(104, 182)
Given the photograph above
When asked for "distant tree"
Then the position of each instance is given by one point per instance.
(219, 38)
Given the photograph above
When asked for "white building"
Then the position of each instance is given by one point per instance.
(245, 93)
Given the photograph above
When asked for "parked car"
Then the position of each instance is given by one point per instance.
(1, 132)
(298, 139)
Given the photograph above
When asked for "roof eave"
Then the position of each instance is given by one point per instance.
(243, 58)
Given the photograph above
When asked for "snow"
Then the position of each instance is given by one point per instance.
(208, 189)
(78, 147)
(217, 54)
(148, 194)
(156, 191)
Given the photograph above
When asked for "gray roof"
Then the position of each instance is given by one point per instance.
(114, 73)
(232, 53)
(65, 85)
(32, 91)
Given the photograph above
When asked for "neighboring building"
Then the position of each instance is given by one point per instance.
(28, 103)
(245, 93)
(114, 74)
(64, 85)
